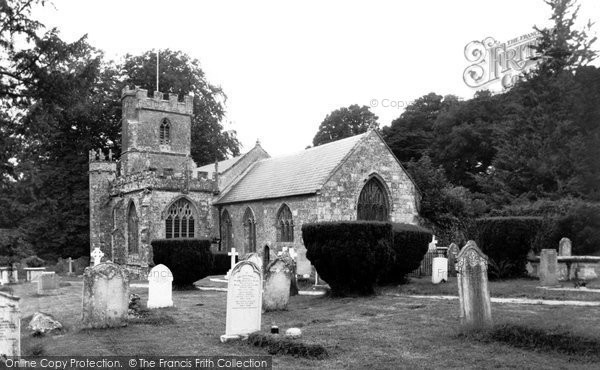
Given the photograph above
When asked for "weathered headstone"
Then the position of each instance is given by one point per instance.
(231, 254)
(105, 296)
(97, 255)
(254, 258)
(548, 270)
(564, 247)
(439, 270)
(278, 279)
(453, 251)
(244, 301)
(160, 287)
(474, 296)
(47, 283)
(10, 325)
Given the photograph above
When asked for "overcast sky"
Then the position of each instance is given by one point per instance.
(285, 65)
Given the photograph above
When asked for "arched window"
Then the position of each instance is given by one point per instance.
(165, 131)
(285, 225)
(226, 231)
(180, 220)
(132, 230)
(372, 202)
(249, 230)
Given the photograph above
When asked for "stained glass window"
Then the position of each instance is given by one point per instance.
(180, 220)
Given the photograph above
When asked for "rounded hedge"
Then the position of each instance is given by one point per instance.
(410, 243)
(349, 256)
(188, 259)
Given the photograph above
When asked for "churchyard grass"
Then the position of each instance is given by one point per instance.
(384, 331)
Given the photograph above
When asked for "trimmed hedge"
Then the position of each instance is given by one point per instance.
(506, 241)
(409, 244)
(188, 259)
(221, 263)
(350, 255)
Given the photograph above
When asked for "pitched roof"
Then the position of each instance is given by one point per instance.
(304, 172)
(224, 165)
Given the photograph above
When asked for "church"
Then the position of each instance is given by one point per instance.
(253, 202)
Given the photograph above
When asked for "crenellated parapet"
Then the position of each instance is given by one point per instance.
(102, 161)
(153, 180)
(158, 102)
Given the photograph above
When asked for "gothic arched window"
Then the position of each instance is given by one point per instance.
(180, 220)
(165, 131)
(132, 230)
(249, 230)
(285, 225)
(226, 231)
(372, 202)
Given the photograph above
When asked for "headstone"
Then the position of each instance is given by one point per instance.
(105, 296)
(97, 255)
(474, 296)
(10, 325)
(47, 283)
(4, 275)
(33, 273)
(244, 301)
(254, 258)
(278, 279)
(160, 287)
(232, 254)
(433, 244)
(293, 333)
(453, 251)
(303, 265)
(439, 270)
(548, 270)
(291, 264)
(564, 247)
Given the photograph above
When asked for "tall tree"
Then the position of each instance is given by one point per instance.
(182, 75)
(345, 122)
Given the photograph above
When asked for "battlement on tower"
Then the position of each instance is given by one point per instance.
(158, 102)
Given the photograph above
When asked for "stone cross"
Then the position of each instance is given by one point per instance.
(292, 253)
(564, 247)
(70, 261)
(97, 255)
(474, 296)
(548, 270)
(232, 254)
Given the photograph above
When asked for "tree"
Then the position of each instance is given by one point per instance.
(345, 122)
(182, 75)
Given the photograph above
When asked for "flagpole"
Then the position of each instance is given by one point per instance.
(157, 52)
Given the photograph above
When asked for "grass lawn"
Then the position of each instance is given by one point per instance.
(384, 331)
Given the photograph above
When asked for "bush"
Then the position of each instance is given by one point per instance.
(582, 226)
(33, 261)
(348, 255)
(410, 243)
(188, 259)
(221, 263)
(506, 240)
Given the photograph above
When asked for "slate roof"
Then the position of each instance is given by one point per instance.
(304, 172)
(224, 165)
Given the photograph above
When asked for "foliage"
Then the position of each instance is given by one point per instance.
(348, 255)
(582, 226)
(501, 269)
(507, 240)
(410, 243)
(33, 261)
(188, 259)
(345, 122)
(221, 263)
(13, 247)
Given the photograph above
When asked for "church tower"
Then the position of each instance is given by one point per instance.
(156, 132)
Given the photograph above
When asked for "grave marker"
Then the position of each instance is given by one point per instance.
(564, 247)
(548, 270)
(105, 296)
(244, 301)
(70, 261)
(97, 255)
(232, 254)
(160, 287)
(10, 325)
(47, 283)
(474, 296)
(439, 270)
(278, 279)
(453, 251)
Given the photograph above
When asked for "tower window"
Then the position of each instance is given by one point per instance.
(165, 131)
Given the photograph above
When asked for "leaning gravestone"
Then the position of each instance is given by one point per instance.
(548, 270)
(10, 326)
(564, 247)
(160, 287)
(278, 279)
(254, 258)
(474, 296)
(105, 296)
(47, 283)
(453, 251)
(244, 301)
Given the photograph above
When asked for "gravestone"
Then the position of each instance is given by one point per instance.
(10, 325)
(453, 251)
(548, 270)
(244, 301)
(254, 258)
(70, 262)
(160, 287)
(32, 274)
(433, 244)
(47, 283)
(439, 270)
(564, 247)
(474, 296)
(278, 280)
(231, 254)
(97, 255)
(105, 296)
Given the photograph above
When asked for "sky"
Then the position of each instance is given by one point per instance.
(284, 65)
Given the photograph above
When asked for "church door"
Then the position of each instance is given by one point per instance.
(372, 202)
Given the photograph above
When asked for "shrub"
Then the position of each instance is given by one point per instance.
(506, 240)
(221, 263)
(410, 243)
(188, 259)
(34, 261)
(582, 226)
(348, 255)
